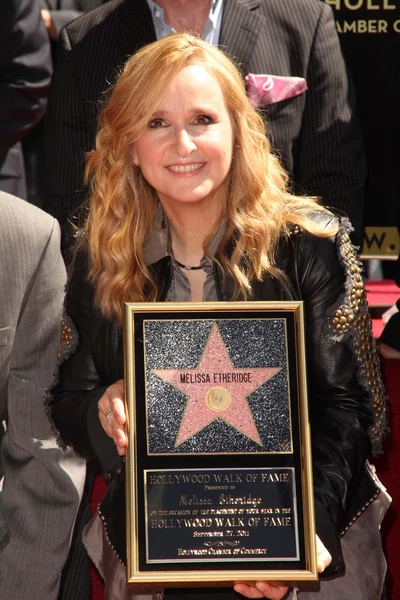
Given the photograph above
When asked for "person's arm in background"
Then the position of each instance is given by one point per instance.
(25, 70)
(55, 20)
(42, 483)
(329, 158)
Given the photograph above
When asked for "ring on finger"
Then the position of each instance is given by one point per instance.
(109, 416)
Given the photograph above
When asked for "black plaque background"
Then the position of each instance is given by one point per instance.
(276, 540)
(176, 462)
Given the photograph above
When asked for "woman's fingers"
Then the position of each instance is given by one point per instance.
(277, 590)
(324, 558)
(274, 591)
(248, 591)
(112, 415)
(121, 441)
(118, 408)
(261, 589)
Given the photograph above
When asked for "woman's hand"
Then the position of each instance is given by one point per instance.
(276, 590)
(324, 559)
(112, 415)
(261, 589)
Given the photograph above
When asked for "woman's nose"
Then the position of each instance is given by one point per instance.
(183, 143)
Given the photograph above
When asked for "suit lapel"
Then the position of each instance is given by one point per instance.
(241, 26)
(135, 27)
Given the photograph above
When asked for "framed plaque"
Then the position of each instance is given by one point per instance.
(219, 473)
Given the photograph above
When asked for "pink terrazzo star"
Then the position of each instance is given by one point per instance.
(216, 390)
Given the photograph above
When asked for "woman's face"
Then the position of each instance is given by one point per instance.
(186, 152)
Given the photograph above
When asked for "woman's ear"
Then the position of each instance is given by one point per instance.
(135, 159)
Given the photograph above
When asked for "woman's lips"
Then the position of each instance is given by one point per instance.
(186, 169)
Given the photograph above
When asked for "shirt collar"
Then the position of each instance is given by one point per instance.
(158, 245)
(211, 29)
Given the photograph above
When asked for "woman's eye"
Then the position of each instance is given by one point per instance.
(203, 120)
(156, 123)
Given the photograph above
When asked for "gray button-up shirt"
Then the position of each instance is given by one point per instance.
(159, 246)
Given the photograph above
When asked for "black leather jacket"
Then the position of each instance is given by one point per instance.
(345, 391)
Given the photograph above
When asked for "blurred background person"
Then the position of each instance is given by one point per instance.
(42, 483)
(55, 14)
(25, 71)
(389, 342)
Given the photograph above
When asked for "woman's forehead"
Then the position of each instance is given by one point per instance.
(193, 84)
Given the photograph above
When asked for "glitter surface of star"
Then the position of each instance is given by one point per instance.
(257, 419)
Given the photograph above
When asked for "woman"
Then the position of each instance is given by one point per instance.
(188, 203)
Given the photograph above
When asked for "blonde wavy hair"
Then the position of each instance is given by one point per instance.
(259, 207)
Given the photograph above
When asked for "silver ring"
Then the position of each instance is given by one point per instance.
(109, 416)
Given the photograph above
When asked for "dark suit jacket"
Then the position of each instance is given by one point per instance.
(316, 133)
(42, 484)
(25, 69)
(64, 11)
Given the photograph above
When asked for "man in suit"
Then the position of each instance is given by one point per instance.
(42, 483)
(315, 133)
(55, 14)
(25, 70)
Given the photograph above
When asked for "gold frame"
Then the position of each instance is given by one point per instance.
(197, 577)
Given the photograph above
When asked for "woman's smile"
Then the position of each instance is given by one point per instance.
(186, 170)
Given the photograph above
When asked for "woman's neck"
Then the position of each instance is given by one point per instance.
(189, 227)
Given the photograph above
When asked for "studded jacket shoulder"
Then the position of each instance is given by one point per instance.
(346, 397)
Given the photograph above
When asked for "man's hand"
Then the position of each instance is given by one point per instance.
(48, 21)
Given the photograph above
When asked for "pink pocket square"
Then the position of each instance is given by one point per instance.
(263, 90)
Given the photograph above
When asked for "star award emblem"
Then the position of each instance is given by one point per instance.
(215, 389)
